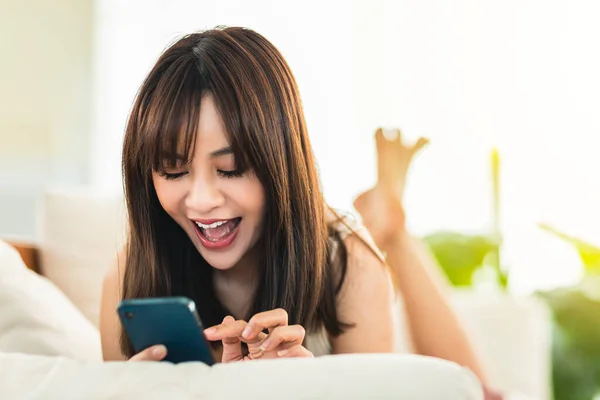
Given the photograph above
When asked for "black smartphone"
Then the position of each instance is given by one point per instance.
(170, 321)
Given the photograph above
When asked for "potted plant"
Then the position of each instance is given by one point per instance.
(512, 334)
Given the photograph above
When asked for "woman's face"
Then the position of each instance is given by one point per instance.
(219, 207)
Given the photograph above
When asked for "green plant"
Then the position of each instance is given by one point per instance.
(576, 330)
(460, 256)
(589, 253)
(575, 343)
(575, 310)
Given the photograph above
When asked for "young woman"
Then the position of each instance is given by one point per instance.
(225, 207)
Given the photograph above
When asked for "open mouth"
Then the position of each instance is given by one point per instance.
(218, 233)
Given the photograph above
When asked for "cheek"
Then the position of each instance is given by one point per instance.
(249, 195)
(255, 205)
(168, 195)
(256, 197)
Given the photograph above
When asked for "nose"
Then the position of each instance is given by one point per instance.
(204, 196)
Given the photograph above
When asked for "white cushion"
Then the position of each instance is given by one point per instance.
(82, 231)
(329, 377)
(512, 336)
(36, 318)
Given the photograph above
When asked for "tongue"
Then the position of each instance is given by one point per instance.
(220, 232)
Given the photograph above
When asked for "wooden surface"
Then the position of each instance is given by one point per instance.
(29, 253)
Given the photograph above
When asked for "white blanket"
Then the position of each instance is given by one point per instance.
(49, 350)
(331, 377)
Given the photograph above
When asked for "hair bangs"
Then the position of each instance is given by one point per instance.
(244, 97)
(169, 127)
(238, 138)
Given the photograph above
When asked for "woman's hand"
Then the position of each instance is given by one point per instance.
(381, 206)
(152, 353)
(283, 340)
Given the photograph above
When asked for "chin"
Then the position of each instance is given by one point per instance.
(225, 259)
(223, 262)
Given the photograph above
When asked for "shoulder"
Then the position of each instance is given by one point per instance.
(366, 269)
(365, 264)
(367, 295)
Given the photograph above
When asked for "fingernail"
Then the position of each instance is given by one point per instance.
(247, 331)
(210, 331)
(282, 353)
(265, 345)
(159, 351)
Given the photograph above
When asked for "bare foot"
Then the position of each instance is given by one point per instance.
(381, 206)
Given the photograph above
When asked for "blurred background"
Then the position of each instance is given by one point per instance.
(508, 93)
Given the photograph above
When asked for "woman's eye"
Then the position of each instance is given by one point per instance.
(230, 174)
(170, 176)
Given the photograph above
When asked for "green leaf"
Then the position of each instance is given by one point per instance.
(460, 255)
(589, 253)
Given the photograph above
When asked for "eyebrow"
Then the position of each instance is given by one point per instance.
(177, 157)
(217, 153)
(221, 152)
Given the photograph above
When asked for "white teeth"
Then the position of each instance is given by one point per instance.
(213, 225)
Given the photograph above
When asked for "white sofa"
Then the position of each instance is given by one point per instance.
(330, 377)
(81, 231)
(49, 350)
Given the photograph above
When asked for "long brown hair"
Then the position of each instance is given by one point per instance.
(257, 98)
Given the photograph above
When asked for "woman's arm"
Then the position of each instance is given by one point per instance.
(367, 301)
(110, 326)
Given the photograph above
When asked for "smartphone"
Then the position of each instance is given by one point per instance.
(170, 321)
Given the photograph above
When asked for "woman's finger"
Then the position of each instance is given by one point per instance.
(296, 351)
(153, 353)
(265, 320)
(232, 346)
(227, 329)
(293, 335)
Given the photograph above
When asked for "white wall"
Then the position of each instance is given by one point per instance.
(314, 37)
(470, 75)
(45, 81)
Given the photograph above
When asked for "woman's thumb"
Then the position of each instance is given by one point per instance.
(153, 353)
